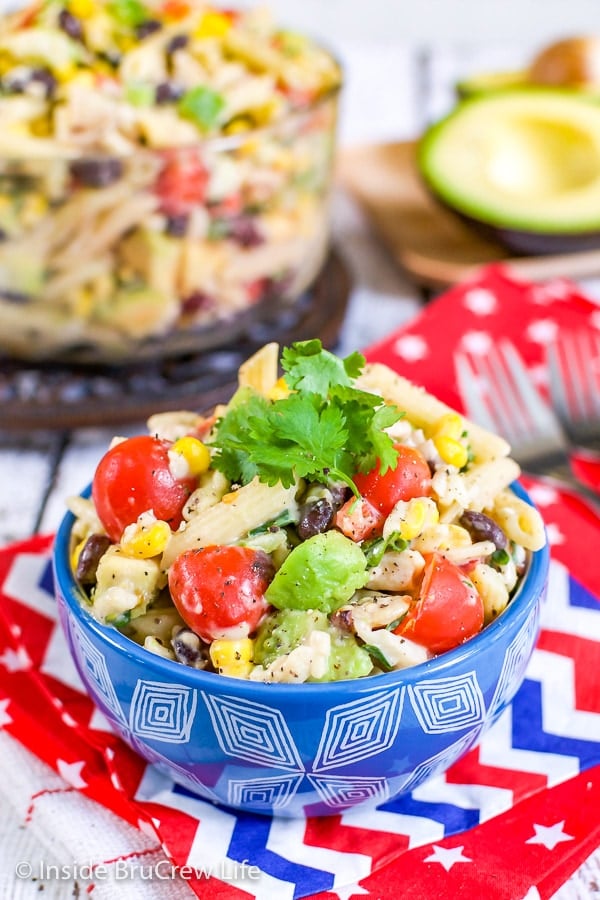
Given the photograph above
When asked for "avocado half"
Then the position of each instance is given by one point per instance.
(522, 166)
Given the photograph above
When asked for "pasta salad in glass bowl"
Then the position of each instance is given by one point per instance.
(165, 169)
(314, 598)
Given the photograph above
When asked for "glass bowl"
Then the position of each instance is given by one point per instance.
(115, 248)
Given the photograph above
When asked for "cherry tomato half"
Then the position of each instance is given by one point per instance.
(411, 478)
(219, 591)
(135, 476)
(449, 610)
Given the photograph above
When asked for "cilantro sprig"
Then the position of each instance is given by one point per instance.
(326, 430)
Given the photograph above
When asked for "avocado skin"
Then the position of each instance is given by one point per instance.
(526, 243)
(517, 240)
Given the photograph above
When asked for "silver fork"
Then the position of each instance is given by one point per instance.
(499, 395)
(574, 369)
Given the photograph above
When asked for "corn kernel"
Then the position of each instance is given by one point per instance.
(249, 148)
(451, 450)
(148, 541)
(212, 25)
(233, 658)
(66, 73)
(194, 452)
(229, 498)
(83, 303)
(279, 391)
(84, 78)
(40, 127)
(414, 520)
(76, 553)
(450, 425)
(239, 125)
(83, 9)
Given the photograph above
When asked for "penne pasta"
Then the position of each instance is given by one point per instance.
(424, 410)
(260, 371)
(227, 521)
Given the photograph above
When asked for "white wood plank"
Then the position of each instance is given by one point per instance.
(77, 467)
(25, 471)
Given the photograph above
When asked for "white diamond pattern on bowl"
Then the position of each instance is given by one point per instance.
(448, 704)
(515, 661)
(254, 731)
(268, 793)
(340, 792)
(357, 730)
(440, 762)
(162, 712)
(93, 662)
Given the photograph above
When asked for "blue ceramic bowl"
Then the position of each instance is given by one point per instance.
(314, 749)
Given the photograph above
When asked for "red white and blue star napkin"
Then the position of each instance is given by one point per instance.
(513, 819)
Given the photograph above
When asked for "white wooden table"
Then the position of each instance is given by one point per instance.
(392, 91)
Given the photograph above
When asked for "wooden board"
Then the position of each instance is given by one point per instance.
(435, 248)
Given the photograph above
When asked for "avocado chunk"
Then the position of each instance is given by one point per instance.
(522, 165)
(155, 257)
(287, 629)
(139, 312)
(321, 573)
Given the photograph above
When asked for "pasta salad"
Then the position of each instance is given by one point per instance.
(332, 523)
(164, 166)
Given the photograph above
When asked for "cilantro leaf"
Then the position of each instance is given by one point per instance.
(298, 362)
(299, 421)
(296, 434)
(326, 429)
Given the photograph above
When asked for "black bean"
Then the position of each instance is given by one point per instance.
(16, 82)
(243, 231)
(97, 173)
(187, 647)
(16, 297)
(262, 565)
(342, 618)
(145, 29)
(177, 226)
(339, 494)
(168, 92)
(176, 43)
(92, 551)
(3, 235)
(314, 518)
(46, 79)
(70, 25)
(482, 528)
